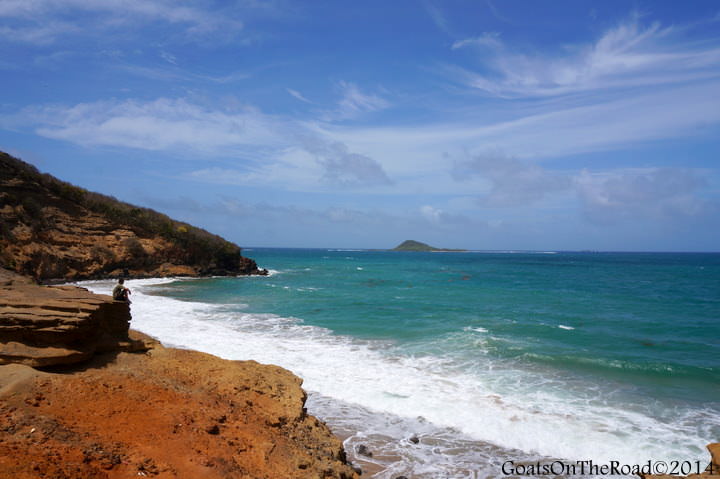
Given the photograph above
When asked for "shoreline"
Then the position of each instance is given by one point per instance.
(387, 449)
(233, 332)
(136, 408)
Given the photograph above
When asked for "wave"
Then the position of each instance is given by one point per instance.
(498, 405)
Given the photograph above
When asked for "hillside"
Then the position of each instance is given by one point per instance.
(51, 229)
(412, 245)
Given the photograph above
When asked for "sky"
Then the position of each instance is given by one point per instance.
(483, 124)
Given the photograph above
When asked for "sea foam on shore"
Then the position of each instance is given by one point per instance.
(463, 415)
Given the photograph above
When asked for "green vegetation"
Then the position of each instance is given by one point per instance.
(412, 245)
(192, 245)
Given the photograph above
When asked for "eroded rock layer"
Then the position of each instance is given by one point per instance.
(44, 325)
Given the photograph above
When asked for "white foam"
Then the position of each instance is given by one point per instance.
(485, 400)
(477, 330)
(562, 326)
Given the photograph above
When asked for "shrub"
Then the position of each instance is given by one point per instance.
(134, 247)
(31, 207)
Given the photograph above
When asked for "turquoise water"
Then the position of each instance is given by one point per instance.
(652, 320)
(483, 356)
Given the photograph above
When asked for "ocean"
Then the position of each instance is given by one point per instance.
(457, 365)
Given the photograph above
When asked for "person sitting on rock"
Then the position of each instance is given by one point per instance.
(120, 292)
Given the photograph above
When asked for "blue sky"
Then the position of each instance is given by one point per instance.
(564, 125)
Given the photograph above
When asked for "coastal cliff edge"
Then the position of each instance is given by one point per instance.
(109, 402)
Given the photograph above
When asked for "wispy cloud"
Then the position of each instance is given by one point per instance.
(496, 12)
(274, 150)
(487, 39)
(38, 21)
(297, 95)
(628, 55)
(437, 16)
(38, 33)
(162, 124)
(169, 57)
(175, 73)
(556, 131)
(355, 103)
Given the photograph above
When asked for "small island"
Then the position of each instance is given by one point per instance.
(412, 245)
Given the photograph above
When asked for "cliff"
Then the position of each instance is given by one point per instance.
(50, 229)
(115, 403)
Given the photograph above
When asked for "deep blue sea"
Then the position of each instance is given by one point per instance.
(479, 357)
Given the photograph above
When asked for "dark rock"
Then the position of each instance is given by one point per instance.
(414, 440)
(363, 450)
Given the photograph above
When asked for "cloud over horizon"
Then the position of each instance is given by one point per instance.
(448, 120)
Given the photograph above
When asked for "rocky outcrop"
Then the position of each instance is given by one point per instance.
(50, 229)
(167, 413)
(45, 326)
(712, 471)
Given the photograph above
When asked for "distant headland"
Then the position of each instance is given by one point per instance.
(412, 245)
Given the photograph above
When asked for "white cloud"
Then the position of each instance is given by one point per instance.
(297, 95)
(628, 55)
(41, 34)
(437, 16)
(487, 39)
(274, 150)
(342, 166)
(513, 182)
(42, 21)
(172, 73)
(162, 124)
(655, 194)
(169, 57)
(354, 169)
(292, 169)
(355, 103)
(432, 214)
(556, 131)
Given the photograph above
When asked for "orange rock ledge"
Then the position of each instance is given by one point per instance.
(112, 403)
